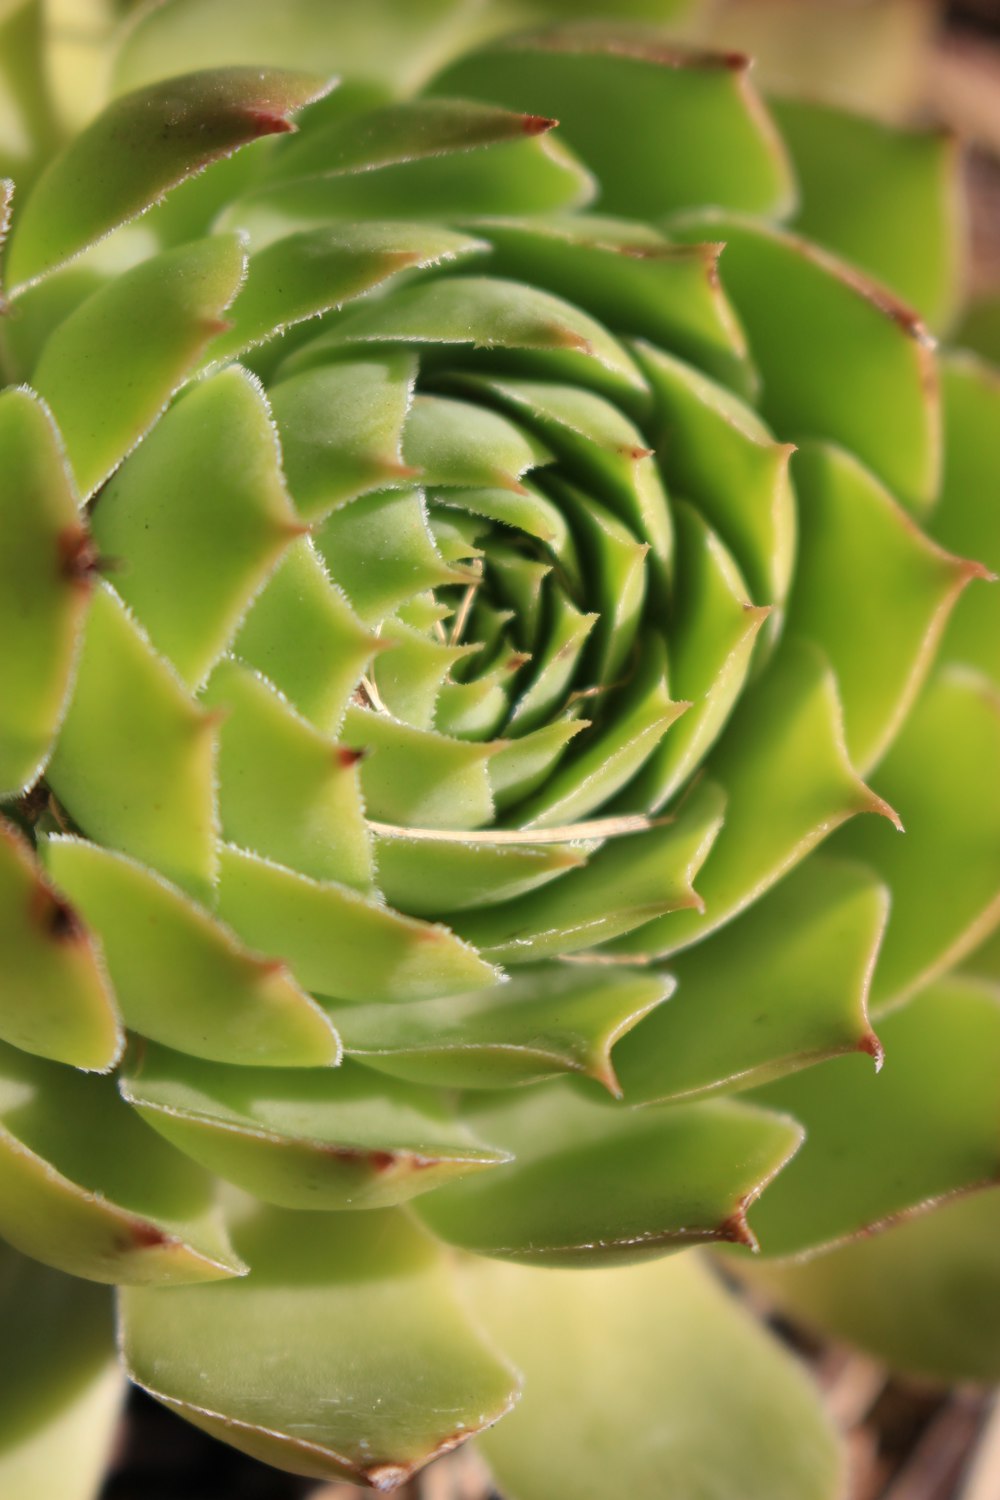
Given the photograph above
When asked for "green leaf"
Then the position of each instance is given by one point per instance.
(543, 1022)
(285, 790)
(45, 580)
(594, 1182)
(426, 876)
(650, 1380)
(716, 452)
(456, 443)
(333, 1139)
(179, 976)
(141, 147)
(632, 278)
(495, 316)
(788, 783)
(964, 519)
(346, 1354)
(134, 762)
(61, 1396)
(417, 777)
(713, 631)
(611, 756)
(55, 1000)
(922, 1296)
(340, 943)
(840, 359)
(341, 427)
(629, 881)
(111, 367)
(654, 92)
(945, 873)
(786, 987)
(886, 199)
(872, 590)
(202, 515)
(89, 1189)
(302, 634)
(880, 1147)
(532, 172)
(312, 272)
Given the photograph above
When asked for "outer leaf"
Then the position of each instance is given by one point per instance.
(732, 154)
(811, 319)
(339, 943)
(45, 580)
(627, 1376)
(427, 876)
(201, 514)
(336, 1139)
(886, 199)
(139, 148)
(787, 986)
(594, 1183)
(541, 1023)
(878, 1148)
(61, 1394)
(968, 517)
(110, 368)
(89, 1189)
(54, 997)
(872, 590)
(180, 977)
(134, 759)
(924, 1296)
(945, 874)
(345, 1356)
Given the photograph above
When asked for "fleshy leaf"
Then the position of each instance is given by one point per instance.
(624, 885)
(61, 1396)
(285, 790)
(180, 977)
(944, 873)
(732, 153)
(339, 943)
(924, 1295)
(872, 590)
(201, 514)
(333, 1139)
(628, 1373)
(786, 987)
(878, 1148)
(140, 147)
(302, 634)
(341, 426)
(788, 783)
(89, 1189)
(109, 370)
(633, 279)
(346, 1354)
(543, 1022)
(455, 872)
(306, 274)
(134, 762)
(46, 568)
(55, 1000)
(840, 359)
(595, 1182)
(419, 777)
(884, 198)
(967, 517)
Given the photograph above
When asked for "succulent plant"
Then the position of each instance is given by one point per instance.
(456, 619)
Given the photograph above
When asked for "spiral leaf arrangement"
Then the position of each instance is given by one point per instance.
(462, 580)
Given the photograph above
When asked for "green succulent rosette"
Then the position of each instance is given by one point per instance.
(464, 583)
